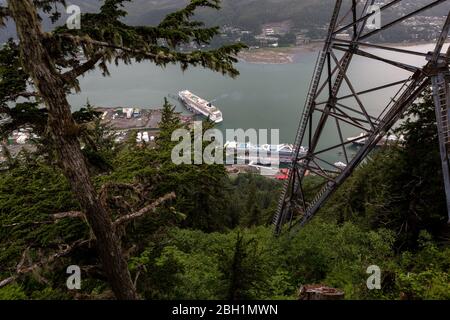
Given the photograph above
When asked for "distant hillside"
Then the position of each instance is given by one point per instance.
(249, 14)
(245, 13)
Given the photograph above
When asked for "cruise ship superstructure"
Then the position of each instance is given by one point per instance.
(200, 106)
(284, 152)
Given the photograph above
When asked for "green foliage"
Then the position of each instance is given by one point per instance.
(13, 80)
(211, 266)
(213, 242)
(401, 187)
(425, 274)
(237, 263)
(13, 86)
(337, 256)
(170, 122)
(12, 292)
(251, 264)
(254, 200)
(29, 194)
(242, 270)
(104, 33)
(97, 138)
(200, 189)
(427, 285)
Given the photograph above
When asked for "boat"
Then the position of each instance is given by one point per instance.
(200, 106)
(263, 153)
(387, 140)
(358, 140)
(341, 165)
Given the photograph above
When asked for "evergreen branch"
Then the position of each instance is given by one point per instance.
(111, 9)
(71, 75)
(180, 17)
(138, 214)
(55, 218)
(220, 60)
(51, 7)
(122, 42)
(4, 13)
(47, 3)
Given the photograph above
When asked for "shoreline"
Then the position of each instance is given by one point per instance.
(289, 55)
(284, 55)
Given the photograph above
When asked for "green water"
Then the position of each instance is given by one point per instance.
(262, 97)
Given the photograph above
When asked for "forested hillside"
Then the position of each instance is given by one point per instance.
(250, 14)
(140, 226)
(246, 14)
(214, 241)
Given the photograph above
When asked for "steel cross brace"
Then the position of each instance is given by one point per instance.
(294, 207)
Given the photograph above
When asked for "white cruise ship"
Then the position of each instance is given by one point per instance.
(200, 106)
(284, 152)
(387, 140)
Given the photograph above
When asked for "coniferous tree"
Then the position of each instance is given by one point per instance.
(170, 121)
(243, 271)
(45, 57)
(254, 218)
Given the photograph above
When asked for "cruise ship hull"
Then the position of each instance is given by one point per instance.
(200, 106)
(283, 154)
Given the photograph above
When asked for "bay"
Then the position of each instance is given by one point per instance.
(264, 96)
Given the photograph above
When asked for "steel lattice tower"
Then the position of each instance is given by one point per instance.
(334, 102)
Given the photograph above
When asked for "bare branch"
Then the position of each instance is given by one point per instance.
(21, 269)
(69, 214)
(110, 185)
(24, 94)
(7, 281)
(106, 188)
(138, 214)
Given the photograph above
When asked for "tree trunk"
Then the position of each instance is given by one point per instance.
(64, 132)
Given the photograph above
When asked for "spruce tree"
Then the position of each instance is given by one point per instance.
(50, 62)
(170, 121)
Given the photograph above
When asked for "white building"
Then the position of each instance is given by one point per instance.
(128, 112)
